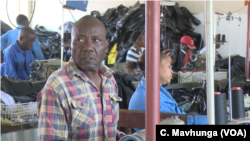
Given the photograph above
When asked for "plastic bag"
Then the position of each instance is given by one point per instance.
(49, 42)
(4, 28)
(67, 27)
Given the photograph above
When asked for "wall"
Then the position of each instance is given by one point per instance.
(238, 33)
(13, 10)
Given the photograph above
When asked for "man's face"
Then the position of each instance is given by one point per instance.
(165, 71)
(142, 40)
(89, 45)
(184, 47)
(26, 42)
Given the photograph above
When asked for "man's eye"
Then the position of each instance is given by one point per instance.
(81, 40)
(96, 40)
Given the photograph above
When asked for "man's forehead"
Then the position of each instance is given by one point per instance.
(93, 30)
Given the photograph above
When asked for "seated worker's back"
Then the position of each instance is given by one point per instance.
(18, 56)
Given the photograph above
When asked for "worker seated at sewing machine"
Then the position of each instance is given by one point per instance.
(183, 56)
(167, 103)
(18, 56)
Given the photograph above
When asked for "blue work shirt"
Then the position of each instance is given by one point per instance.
(17, 63)
(167, 104)
(12, 35)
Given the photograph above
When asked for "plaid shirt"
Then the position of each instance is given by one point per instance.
(69, 107)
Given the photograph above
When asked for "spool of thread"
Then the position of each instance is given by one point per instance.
(238, 108)
(220, 108)
(223, 38)
(218, 37)
(1, 56)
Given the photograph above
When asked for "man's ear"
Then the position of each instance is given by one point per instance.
(107, 46)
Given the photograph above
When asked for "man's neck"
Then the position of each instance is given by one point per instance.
(95, 77)
(20, 47)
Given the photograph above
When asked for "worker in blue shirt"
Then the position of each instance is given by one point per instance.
(167, 102)
(18, 56)
(12, 35)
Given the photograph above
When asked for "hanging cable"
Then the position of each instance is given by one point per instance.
(9, 17)
(232, 12)
(33, 12)
(8, 14)
(72, 15)
(69, 11)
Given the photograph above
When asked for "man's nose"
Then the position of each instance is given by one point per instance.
(88, 45)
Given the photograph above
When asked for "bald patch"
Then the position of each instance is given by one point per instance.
(26, 31)
(89, 19)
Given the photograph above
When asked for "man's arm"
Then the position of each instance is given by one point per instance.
(37, 50)
(10, 65)
(52, 124)
(4, 40)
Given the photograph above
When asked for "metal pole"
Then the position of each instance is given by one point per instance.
(205, 17)
(62, 34)
(248, 44)
(152, 112)
(210, 62)
(229, 72)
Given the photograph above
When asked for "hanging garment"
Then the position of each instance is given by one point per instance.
(112, 55)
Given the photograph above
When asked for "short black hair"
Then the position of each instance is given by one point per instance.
(135, 36)
(20, 18)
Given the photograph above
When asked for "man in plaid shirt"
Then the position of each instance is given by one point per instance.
(80, 101)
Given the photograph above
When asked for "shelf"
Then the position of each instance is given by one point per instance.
(220, 42)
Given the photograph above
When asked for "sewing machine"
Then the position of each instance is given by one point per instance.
(198, 60)
(41, 69)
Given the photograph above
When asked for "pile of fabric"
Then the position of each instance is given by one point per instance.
(50, 42)
(21, 91)
(237, 65)
(120, 23)
(4, 27)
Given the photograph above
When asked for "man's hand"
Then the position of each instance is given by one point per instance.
(167, 51)
(119, 135)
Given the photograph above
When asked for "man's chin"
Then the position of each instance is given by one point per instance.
(89, 67)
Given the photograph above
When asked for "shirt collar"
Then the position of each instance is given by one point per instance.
(20, 26)
(183, 51)
(74, 70)
(17, 47)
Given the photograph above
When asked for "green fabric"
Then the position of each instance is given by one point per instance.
(185, 106)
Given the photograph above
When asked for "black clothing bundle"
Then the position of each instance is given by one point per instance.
(4, 28)
(22, 91)
(121, 22)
